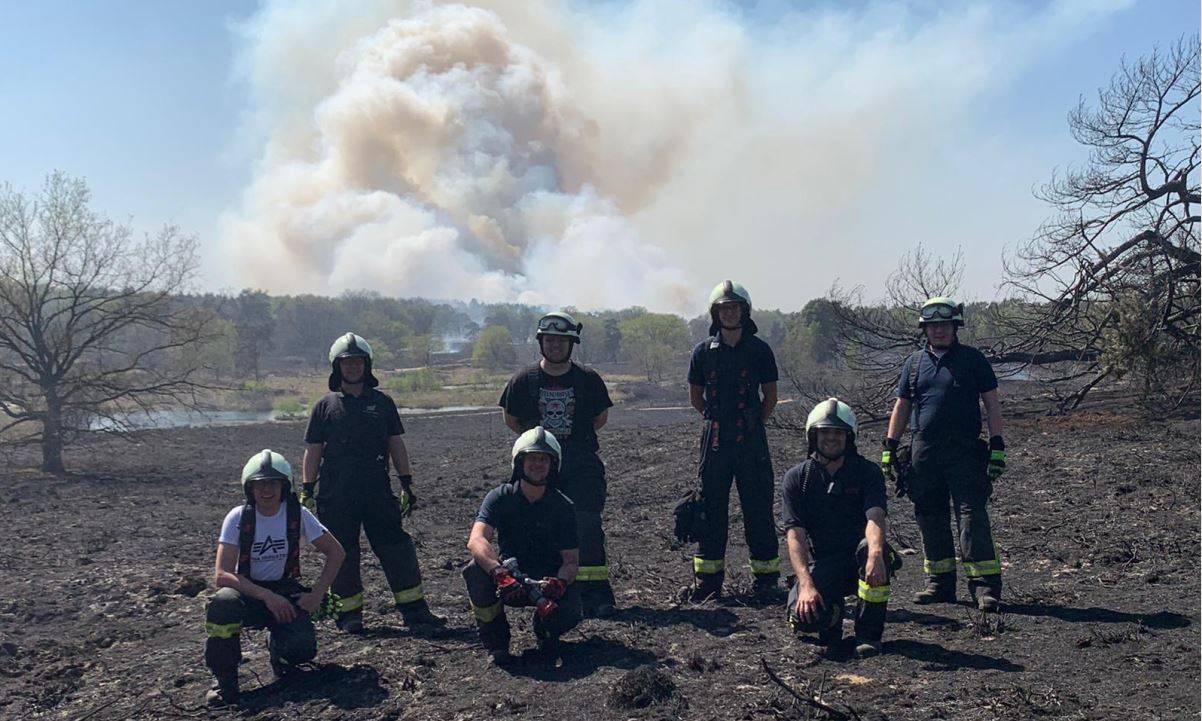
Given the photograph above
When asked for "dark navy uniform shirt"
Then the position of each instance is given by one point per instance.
(947, 399)
(533, 533)
(565, 405)
(355, 429)
(751, 359)
(832, 509)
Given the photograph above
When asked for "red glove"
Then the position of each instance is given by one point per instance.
(508, 587)
(554, 588)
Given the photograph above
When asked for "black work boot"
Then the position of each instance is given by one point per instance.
(224, 691)
(706, 586)
(350, 622)
(767, 589)
(279, 666)
(548, 649)
(419, 617)
(987, 590)
(941, 588)
(866, 648)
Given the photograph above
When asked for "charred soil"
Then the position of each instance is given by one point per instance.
(1097, 518)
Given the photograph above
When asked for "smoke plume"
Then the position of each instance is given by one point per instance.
(596, 156)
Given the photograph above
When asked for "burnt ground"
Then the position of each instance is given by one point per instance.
(104, 586)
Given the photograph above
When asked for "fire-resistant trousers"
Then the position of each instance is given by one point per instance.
(229, 612)
(749, 466)
(489, 612)
(582, 479)
(378, 513)
(839, 576)
(955, 470)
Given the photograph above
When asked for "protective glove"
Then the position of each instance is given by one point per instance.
(889, 458)
(554, 587)
(306, 497)
(508, 588)
(997, 458)
(408, 497)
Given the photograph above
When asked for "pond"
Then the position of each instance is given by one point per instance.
(195, 419)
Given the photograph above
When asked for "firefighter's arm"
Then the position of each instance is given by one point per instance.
(514, 424)
(311, 463)
(600, 420)
(809, 601)
(400, 455)
(993, 412)
(899, 419)
(570, 566)
(479, 544)
(874, 532)
(769, 402)
(335, 555)
(697, 398)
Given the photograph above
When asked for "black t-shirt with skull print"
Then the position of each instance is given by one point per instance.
(564, 405)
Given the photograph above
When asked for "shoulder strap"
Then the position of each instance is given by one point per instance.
(915, 362)
(292, 563)
(532, 384)
(246, 538)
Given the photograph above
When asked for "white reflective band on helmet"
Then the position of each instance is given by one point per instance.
(537, 440)
(350, 345)
(832, 413)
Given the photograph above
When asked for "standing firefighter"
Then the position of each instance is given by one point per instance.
(941, 388)
(258, 576)
(535, 528)
(833, 508)
(727, 374)
(353, 431)
(571, 402)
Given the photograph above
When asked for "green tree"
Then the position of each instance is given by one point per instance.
(253, 327)
(494, 349)
(652, 340)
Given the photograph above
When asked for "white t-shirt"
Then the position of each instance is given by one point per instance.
(269, 552)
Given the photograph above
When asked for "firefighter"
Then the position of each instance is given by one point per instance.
(833, 509)
(570, 401)
(732, 383)
(353, 432)
(939, 392)
(257, 574)
(535, 525)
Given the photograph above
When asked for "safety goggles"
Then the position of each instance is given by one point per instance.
(938, 311)
(555, 324)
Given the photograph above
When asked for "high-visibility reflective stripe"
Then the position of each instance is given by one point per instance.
(769, 566)
(222, 630)
(976, 569)
(873, 594)
(349, 603)
(943, 565)
(593, 573)
(705, 565)
(408, 595)
(997, 455)
(484, 614)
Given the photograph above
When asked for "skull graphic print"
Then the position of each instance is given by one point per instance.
(556, 407)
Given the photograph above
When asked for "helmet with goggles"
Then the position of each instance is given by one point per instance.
(941, 309)
(559, 323)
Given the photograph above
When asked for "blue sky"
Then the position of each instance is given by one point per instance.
(144, 100)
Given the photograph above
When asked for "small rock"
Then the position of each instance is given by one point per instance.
(191, 586)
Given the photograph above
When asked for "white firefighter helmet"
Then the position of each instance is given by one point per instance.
(267, 464)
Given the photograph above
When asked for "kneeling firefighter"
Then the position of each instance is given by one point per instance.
(727, 374)
(833, 509)
(535, 528)
(354, 430)
(258, 575)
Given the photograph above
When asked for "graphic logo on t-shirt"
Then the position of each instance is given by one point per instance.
(268, 545)
(556, 408)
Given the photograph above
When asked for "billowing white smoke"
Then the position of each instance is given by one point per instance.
(605, 155)
(446, 162)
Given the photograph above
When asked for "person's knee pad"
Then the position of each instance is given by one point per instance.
(295, 647)
(831, 614)
(225, 607)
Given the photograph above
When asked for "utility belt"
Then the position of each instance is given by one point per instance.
(359, 476)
